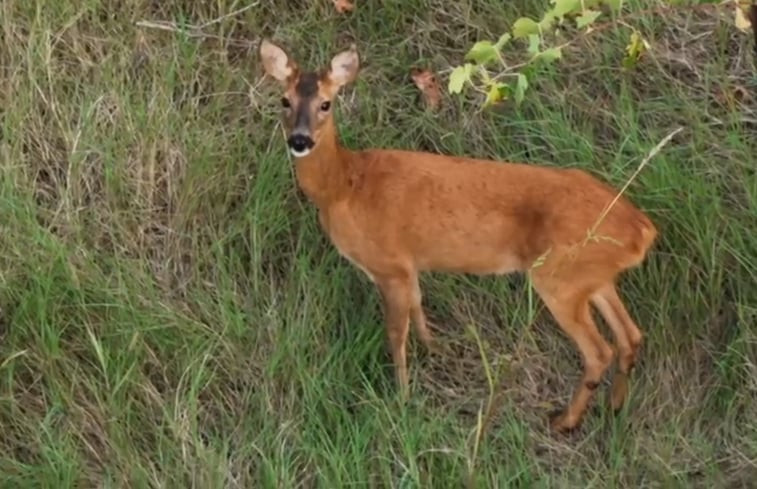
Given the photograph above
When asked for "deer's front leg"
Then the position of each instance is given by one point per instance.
(397, 295)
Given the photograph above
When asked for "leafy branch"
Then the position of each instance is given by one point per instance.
(512, 80)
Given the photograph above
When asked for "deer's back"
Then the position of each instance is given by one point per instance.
(477, 216)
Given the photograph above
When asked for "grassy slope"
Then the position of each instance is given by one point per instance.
(170, 314)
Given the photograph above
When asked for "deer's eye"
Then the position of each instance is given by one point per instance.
(285, 102)
(325, 106)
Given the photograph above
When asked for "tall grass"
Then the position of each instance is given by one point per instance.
(172, 316)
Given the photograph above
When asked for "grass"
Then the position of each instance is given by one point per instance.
(172, 316)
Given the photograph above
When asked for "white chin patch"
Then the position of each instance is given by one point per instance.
(299, 154)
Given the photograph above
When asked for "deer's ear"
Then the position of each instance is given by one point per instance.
(344, 67)
(276, 61)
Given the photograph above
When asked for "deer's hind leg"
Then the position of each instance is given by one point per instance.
(628, 339)
(418, 317)
(570, 307)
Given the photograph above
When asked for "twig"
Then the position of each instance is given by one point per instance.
(230, 14)
(192, 31)
(651, 11)
(641, 166)
(753, 20)
(197, 31)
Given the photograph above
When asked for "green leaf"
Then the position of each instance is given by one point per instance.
(458, 77)
(533, 43)
(546, 22)
(520, 88)
(587, 17)
(635, 48)
(549, 55)
(497, 92)
(524, 26)
(482, 52)
(563, 7)
(503, 39)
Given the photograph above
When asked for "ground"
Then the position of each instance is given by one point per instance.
(172, 316)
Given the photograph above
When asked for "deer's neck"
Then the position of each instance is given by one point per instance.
(323, 173)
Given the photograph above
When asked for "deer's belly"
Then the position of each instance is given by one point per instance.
(470, 259)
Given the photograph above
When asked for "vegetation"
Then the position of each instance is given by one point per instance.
(565, 24)
(172, 316)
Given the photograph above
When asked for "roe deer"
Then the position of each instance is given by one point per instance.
(396, 213)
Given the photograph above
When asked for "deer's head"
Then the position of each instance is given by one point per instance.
(307, 95)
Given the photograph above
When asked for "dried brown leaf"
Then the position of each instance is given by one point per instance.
(427, 83)
(742, 21)
(343, 6)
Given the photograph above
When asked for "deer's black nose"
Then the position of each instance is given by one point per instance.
(300, 142)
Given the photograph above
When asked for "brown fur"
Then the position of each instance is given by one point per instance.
(395, 214)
